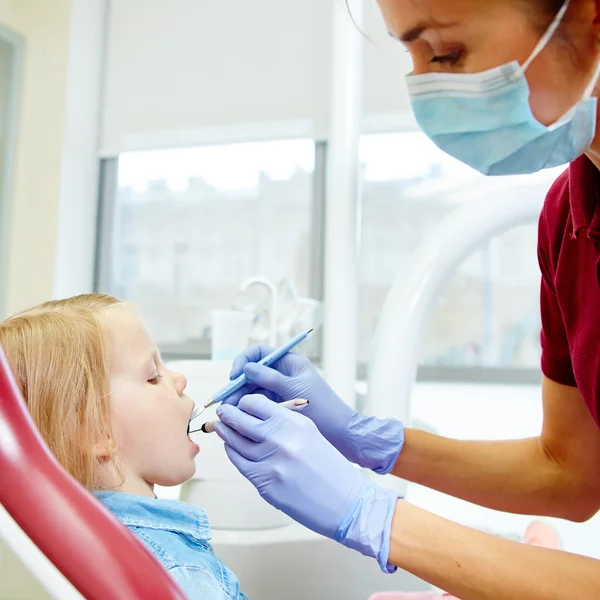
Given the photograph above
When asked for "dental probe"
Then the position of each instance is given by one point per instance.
(241, 381)
(295, 405)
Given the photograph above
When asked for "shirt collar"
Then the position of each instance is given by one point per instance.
(584, 194)
(173, 515)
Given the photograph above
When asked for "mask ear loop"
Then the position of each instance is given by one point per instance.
(590, 88)
(543, 41)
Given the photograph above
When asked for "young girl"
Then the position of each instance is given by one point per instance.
(117, 419)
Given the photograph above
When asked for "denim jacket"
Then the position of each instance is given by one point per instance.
(178, 535)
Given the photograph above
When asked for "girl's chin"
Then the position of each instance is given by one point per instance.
(184, 470)
(194, 444)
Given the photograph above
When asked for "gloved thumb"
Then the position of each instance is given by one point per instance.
(267, 378)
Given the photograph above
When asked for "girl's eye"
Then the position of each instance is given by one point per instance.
(450, 59)
(155, 380)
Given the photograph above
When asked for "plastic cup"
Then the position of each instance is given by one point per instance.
(230, 333)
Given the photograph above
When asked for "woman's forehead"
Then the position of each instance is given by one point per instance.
(411, 13)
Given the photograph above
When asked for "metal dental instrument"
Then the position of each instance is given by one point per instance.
(295, 405)
(241, 381)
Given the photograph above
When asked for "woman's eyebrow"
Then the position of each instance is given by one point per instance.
(414, 33)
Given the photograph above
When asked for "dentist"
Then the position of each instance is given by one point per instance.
(507, 87)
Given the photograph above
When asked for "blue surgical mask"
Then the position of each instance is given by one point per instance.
(485, 120)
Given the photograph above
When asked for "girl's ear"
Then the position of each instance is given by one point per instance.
(103, 450)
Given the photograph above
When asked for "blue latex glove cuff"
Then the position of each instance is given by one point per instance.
(374, 443)
(367, 526)
(366, 441)
(294, 468)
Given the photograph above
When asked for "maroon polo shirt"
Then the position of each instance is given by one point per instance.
(569, 256)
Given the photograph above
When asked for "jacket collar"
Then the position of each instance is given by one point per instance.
(153, 513)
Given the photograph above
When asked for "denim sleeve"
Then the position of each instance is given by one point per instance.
(198, 583)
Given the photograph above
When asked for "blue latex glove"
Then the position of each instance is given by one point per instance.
(298, 471)
(367, 441)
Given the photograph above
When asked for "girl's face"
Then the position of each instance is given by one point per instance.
(470, 36)
(149, 410)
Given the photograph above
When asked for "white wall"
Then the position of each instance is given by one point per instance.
(17, 581)
(44, 26)
(53, 225)
(184, 66)
(386, 63)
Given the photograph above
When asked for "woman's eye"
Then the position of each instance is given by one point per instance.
(451, 59)
(155, 380)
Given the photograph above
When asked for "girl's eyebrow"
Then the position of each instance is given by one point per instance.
(150, 360)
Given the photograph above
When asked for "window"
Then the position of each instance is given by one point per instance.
(186, 226)
(489, 314)
(182, 228)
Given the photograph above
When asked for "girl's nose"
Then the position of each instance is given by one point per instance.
(180, 382)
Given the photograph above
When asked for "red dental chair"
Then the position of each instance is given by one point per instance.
(39, 500)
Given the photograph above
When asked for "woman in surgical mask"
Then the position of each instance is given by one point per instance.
(506, 86)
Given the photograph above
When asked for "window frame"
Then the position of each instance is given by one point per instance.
(10, 150)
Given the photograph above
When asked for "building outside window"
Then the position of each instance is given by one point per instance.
(188, 225)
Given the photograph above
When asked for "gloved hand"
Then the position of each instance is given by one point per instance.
(295, 469)
(367, 441)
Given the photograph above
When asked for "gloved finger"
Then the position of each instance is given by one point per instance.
(267, 393)
(261, 407)
(243, 465)
(243, 422)
(234, 398)
(247, 448)
(254, 354)
(267, 378)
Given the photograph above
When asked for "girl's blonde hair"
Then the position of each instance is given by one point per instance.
(58, 354)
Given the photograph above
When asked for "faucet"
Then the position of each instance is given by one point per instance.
(273, 312)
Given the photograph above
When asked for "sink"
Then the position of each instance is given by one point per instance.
(294, 563)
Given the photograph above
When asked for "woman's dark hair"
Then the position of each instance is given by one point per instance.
(546, 9)
(543, 12)
(549, 8)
